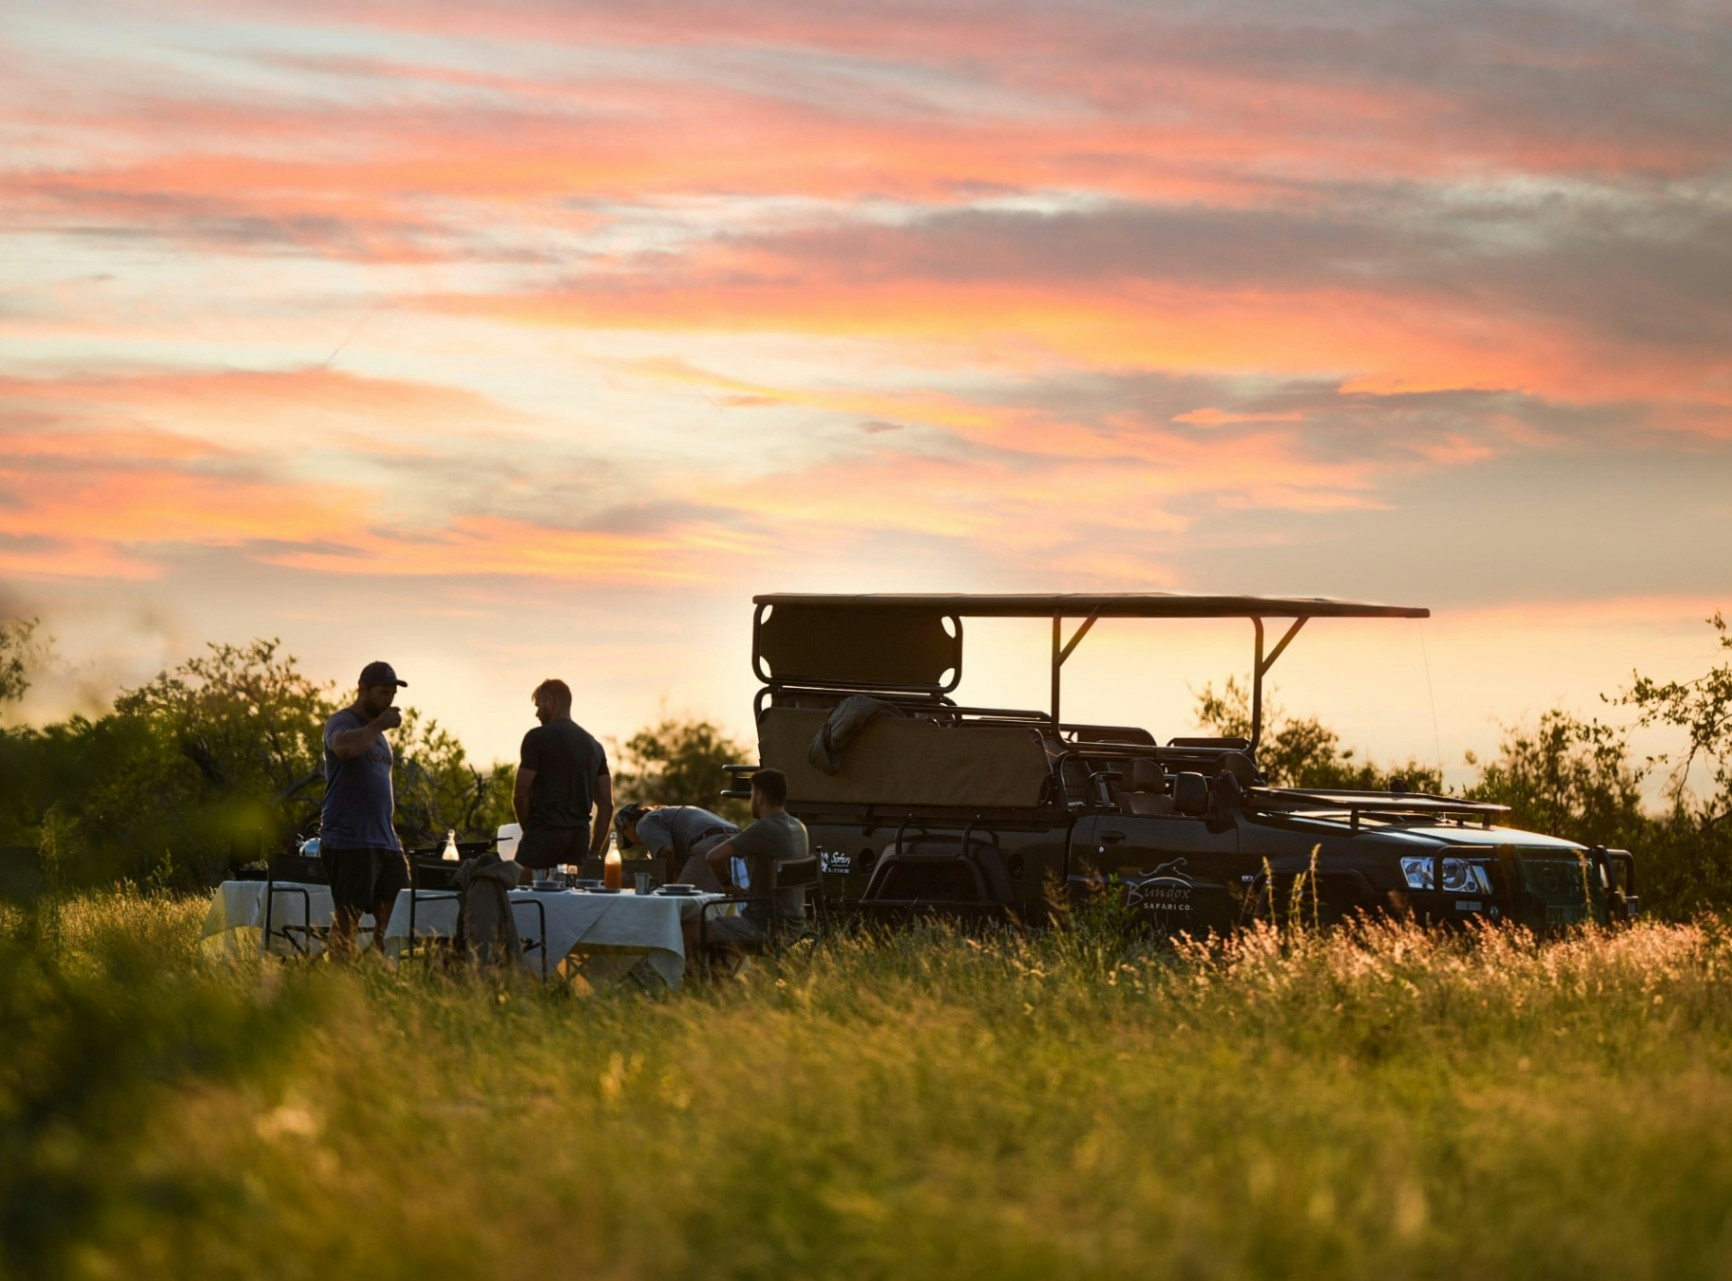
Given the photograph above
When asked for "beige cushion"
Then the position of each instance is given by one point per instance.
(894, 761)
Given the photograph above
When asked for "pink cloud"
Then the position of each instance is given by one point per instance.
(1211, 417)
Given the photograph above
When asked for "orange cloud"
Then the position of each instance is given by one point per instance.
(95, 522)
(484, 546)
(1379, 342)
(202, 413)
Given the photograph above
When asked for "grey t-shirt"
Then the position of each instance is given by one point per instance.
(680, 826)
(781, 837)
(359, 802)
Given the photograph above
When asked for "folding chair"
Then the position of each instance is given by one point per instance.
(541, 938)
(778, 934)
(433, 879)
(430, 880)
(304, 871)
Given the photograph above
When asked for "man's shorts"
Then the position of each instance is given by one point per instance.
(362, 879)
(545, 847)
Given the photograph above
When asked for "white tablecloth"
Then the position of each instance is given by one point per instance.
(645, 928)
(236, 919)
(638, 929)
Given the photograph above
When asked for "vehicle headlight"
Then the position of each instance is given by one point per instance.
(1459, 875)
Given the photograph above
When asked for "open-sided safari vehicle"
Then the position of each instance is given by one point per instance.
(916, 803)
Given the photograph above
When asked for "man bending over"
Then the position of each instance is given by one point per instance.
(678, 835)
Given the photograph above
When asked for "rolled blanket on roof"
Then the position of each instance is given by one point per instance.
(850, 716)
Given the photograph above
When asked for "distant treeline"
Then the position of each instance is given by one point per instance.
(214, 763)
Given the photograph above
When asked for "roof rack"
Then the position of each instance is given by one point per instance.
(1379, 804)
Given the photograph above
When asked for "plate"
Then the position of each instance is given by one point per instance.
(548, 889)
(678, 891)
(600, 889)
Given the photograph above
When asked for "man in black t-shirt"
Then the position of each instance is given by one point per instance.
(561, 776)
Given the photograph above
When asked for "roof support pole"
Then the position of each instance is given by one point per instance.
(1062, 652)
(1261, 668)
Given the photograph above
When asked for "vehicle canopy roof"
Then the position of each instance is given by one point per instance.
(1077, 605)
(912, 642)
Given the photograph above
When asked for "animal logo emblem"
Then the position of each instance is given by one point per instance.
(1166, 889)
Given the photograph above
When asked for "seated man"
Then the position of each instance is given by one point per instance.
(776, 837)
(679, 835)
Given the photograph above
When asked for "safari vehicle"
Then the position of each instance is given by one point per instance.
(917, 803)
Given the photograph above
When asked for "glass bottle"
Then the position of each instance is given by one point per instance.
(611, 869)
(451, 855)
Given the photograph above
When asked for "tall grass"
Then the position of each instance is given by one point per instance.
(1377, 1102)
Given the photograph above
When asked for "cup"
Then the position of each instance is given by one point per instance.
(640, 882)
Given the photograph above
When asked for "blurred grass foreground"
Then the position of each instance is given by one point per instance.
(1380, 1103)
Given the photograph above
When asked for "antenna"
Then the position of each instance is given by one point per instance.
(1436, 735)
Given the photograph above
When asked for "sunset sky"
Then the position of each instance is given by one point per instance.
(527, 339)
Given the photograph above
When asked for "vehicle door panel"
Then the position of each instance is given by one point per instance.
(1183, 874)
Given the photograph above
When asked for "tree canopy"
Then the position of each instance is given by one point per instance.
(1302, 753)
(213, 763)
(679, 762)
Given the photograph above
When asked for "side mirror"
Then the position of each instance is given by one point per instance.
(1191, 794)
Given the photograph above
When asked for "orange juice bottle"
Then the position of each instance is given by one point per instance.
(611, 869)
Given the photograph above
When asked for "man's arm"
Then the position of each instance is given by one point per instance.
(603, 815)
(349, 743)
(520, 795)
(717, 857)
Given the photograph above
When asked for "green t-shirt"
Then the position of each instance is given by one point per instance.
(781, 838)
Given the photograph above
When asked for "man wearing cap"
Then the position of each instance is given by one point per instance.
(679, 835)
(358, 841)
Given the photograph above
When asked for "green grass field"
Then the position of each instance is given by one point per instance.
(1381, 1104)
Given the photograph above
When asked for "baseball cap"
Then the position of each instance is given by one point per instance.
(623, 818)
(380, 673)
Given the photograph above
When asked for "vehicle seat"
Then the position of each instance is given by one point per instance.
(1143, 788)
(1239, 766)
